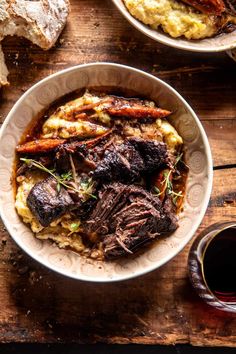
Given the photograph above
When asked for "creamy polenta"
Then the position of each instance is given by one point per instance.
(63, 231)
(176, 18)
(108, 141)
(67, 122)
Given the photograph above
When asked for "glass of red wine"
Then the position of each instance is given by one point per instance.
(212, 265)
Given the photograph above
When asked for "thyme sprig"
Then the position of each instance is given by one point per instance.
(179, 159)
(62, 178)
(87, 188)
(67, 176)
(168, 188)
(167, 184)
(176, 196)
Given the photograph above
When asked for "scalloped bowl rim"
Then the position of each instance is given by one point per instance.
(206, 198)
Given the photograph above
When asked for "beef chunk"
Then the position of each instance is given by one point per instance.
(122, 164)
(231, 8)
(46, 203)
(128, 217)
(129, 161)
(85, 153)
(63, 153)
(153, 153)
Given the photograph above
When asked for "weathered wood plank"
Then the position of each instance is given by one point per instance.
(222, 139)
(37, 305)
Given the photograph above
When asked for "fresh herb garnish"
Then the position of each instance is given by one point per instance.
(157, 190)
(179, 159)
(67, 176)
(176, 196)
(74, 226)
(87, 188)
(166, 182)
(168, 187)
(60, 180)
(39, 165)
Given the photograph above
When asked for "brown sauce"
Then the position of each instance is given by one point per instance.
(35, 127)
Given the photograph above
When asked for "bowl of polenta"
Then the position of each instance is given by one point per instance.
(185, 24)
(53, 197)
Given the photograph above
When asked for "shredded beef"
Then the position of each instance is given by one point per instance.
(128, 217)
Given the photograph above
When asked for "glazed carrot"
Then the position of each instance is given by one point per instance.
(39, 146)
(209, 7)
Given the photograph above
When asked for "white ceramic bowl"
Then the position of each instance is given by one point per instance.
(219, 43)
(198, 158)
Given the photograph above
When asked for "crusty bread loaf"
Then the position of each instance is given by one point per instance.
(40, 21)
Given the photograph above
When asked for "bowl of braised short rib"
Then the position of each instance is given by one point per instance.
(202, 26)
(106, 172)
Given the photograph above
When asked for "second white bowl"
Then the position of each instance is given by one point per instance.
(218, 43)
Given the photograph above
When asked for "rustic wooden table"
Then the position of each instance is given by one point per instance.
(37, 305)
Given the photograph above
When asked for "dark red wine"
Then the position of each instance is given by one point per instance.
(219, 265)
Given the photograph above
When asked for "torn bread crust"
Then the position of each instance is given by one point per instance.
(3, 69)
(40, 21)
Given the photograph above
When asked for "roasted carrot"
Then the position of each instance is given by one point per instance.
(39, 146)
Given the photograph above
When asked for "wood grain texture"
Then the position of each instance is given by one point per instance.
(37, 305)
(161, 307)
